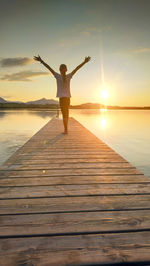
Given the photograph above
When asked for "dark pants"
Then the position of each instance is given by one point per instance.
(64, 103)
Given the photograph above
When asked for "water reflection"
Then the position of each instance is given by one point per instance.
(2, 114)
(43, 113)
(103, 118)
(16, 127)
(103, 122)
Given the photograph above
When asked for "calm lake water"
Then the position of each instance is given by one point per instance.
(127, 132)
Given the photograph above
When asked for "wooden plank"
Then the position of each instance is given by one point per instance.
(70, 180)
(66, 165)
(76, 249)
(62, 151)
(58, 141)
(60, 147)
(69, 223)
(71, 204)
(67, 171)
(44, 161)
(65, 155)
(63, 144)
(29, 156)
(73, 190)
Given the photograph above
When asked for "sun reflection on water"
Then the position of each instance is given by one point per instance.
(103, 122)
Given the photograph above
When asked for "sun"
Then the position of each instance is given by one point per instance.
(104, 94)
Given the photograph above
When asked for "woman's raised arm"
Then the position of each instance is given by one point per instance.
(87, 59)
(38, 58)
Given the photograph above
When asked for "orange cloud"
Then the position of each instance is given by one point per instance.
(142, 50)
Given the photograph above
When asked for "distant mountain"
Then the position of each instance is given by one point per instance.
(2, 100)
(14, 102)
(40, 101)
(43, 101)
(54, 103)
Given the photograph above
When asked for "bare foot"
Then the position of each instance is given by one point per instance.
(65, 132)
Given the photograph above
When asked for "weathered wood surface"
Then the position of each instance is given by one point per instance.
(77, 222)
(75, 204)
(70, 180)
(73, 190)
(68, 171)
(72, 200)
(82, 249)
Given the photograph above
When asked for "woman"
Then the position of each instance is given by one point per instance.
(63, 87)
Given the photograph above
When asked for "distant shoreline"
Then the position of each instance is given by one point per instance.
(15, 106)
(53, 104)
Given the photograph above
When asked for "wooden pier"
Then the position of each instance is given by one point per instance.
(72, 200)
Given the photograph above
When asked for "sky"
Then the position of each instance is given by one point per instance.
(114, 33)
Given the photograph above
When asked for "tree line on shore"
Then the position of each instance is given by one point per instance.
(14, 105)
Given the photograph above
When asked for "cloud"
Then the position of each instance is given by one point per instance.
(23, 75)
(142, 50)
(16, 61)
(62, 43)
(88, 31)
(71, 42)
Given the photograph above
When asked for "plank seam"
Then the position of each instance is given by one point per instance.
(77, 211)
(78, 196)
(77, 233)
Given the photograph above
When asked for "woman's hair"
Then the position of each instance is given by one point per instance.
(64, 72)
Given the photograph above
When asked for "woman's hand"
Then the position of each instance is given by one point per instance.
(87, 59)
(38, 58)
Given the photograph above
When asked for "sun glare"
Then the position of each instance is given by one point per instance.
(104, 94)
(103, 122)
(104, 91)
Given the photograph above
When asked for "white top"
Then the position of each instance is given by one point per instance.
(63, 88)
